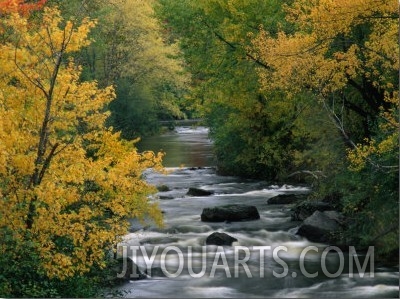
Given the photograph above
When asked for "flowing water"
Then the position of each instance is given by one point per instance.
(267, 260)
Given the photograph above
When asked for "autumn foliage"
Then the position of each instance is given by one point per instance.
(21, 7)
(68, 184)
(345, 55)
(340, 47)
(303, 90)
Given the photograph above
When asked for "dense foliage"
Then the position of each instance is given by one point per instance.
(68, 184)
(132, 51)
(303, 90)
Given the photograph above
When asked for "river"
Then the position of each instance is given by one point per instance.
(267, 260)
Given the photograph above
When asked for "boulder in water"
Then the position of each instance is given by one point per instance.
(234, 212)
(198, 192)
(320, 226)
(165, 197)
(335, 215)
(220, 239)
(306, 208)
(163, 188)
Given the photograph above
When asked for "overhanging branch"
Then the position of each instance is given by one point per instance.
(233, 46)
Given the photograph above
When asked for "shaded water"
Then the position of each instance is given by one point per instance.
(184, 266)
(184, 146)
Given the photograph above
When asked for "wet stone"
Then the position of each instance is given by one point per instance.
(220, 239)
(234, 212)
(199, 192)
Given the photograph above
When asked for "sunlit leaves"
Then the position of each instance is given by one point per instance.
(345, 54)
(90, 180)
(338, 46)
(20, 6)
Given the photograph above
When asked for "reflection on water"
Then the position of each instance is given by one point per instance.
(184, 146)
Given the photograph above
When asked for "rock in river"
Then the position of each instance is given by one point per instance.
(234, 212)
(307, 208)
(320, 226)
(220, 239)
(198, 192)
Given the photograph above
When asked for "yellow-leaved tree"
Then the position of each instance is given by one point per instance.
(68, 184)
(344, 54)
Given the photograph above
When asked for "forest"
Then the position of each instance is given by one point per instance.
(303, 91)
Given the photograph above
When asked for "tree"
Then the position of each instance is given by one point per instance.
(68, 184)
(344, 52)
(305, 87)
(151, 81)
(346, 55)
(253, 132)
(133, 52)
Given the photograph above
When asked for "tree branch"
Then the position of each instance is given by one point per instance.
(340, 126)
(35, 82)
(42, 163)
(47, 162)
(231, 45)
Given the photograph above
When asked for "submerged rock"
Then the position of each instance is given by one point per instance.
(165, 197)
(199, 192)
(220, 239)
(234, 212)
(163, 188)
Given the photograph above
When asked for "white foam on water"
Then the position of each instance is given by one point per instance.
(212, 292)
(394, 275)
(286, 187)
(192, 130)
(376, 290)
(264, 192)
(270, 192)
(340, 288)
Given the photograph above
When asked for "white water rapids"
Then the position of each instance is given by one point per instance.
(178, 250)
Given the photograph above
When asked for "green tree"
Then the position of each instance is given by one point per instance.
(131, 51)
(254, 132)
(305, 89)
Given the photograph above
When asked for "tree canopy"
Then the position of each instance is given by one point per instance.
(302, 89)
(68, 184)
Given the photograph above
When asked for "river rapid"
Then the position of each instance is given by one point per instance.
(267, 260)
